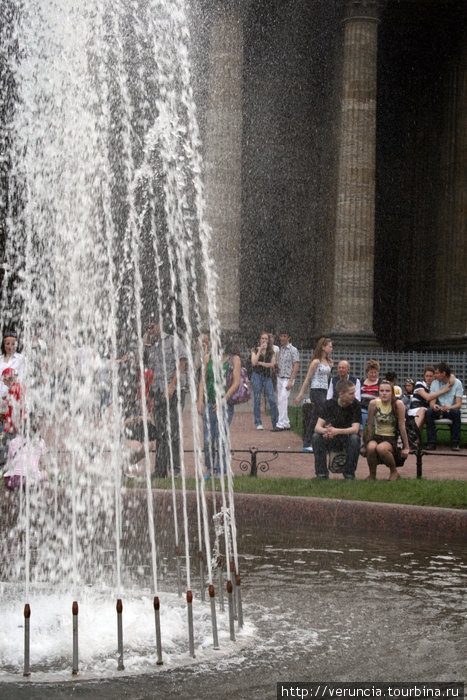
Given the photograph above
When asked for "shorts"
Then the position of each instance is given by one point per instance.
(396, 451)
(386, 438)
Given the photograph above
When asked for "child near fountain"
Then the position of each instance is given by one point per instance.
(25, 461)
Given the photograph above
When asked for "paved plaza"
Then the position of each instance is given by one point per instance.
(292, 462)
(443, 464)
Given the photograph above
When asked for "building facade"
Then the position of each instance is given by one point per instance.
(335, 167)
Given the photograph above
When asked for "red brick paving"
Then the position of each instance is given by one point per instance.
(443, 464)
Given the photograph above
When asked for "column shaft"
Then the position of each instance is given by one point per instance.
(355, 212)
(450, 302)
(223, 155)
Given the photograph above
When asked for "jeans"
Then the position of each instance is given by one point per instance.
(162, 420)
(258, 382)
(454, 414)
(318, 399)
(321, 446)
(212, 436)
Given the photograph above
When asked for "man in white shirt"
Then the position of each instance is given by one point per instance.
(288, 364)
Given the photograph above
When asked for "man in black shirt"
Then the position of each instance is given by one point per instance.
(337, 430)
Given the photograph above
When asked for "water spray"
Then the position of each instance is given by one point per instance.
(234, 590)
(201, 575)
(239, 601)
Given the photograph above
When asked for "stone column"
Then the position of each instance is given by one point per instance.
(223, 151)
(450, 302)
(352, 308)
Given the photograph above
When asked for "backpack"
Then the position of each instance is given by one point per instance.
(243, 393)
(413, 432)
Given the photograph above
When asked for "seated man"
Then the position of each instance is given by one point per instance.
(337, 429)
(423, 394)
(343, 372)
(447, 405)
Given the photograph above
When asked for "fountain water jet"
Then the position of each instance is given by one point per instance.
(105, 223)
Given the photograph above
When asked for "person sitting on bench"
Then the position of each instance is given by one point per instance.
(447, 406)
(337, 429)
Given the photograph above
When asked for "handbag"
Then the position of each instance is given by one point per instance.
(398, 458)
(243, 393)
(337, 460)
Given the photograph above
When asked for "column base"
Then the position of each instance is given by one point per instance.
(355, 341)
(454, 343)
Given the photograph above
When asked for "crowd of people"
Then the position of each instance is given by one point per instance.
(165, 360)
(348, 416)
(345, 416)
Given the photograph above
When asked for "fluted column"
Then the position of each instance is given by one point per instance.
(450, 302)
(223, 154)
(355, 212)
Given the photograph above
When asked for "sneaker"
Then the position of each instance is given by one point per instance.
(259, 427)
(455, 448)
(307, 449)
(207, 476)
(430, 447)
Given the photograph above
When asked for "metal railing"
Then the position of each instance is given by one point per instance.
(404, 364)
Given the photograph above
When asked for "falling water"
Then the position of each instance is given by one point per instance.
(104, 226)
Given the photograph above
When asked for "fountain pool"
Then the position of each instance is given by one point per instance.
(322, 606)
